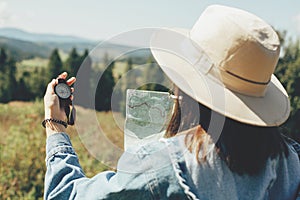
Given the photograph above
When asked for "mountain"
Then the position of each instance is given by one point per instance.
(15, 33)
(23, 45)
(19, 49)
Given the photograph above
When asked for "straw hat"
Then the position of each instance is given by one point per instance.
(226, 62)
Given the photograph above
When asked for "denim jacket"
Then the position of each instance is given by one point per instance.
(166, 170)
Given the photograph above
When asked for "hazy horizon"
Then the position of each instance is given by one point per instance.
(100, 20)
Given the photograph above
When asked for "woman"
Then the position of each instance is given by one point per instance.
(222, 141)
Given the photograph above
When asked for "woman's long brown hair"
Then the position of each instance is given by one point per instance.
(244, 148)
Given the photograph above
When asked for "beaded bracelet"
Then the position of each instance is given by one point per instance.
(65, 124)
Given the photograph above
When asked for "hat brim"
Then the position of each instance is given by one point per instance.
(179, 59)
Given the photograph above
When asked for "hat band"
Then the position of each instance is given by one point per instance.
(248, 80)
(242, 86)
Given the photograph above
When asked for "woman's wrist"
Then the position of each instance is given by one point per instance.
(50, 115)
(54, 127)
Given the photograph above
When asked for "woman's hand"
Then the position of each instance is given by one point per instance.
(51, 105)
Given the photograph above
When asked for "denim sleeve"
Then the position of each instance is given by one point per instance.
(287, 175)
(65, 178)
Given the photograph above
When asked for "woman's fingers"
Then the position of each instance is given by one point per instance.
(71, 81)
(50, 87)
(63, 75)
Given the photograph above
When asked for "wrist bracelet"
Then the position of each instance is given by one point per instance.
(65, 124)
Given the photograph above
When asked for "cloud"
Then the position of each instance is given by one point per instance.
(6, 16)
(9, 17)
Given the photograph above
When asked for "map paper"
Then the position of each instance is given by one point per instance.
(147, 115)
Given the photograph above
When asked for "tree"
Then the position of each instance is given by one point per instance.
(155, 75)
(128, 81)
(73, 62)
(55, 65)
(106, 59)
(5, 94)
(83, 82)
(3, 59)
(11, 74)
(8, 83)
(131, 77)
(104, 89)
(288, 72)
(23, 91)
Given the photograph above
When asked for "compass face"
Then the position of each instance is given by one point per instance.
(62, 90)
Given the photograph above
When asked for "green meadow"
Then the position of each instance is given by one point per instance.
(22, 149)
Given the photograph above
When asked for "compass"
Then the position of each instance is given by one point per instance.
(62, 90)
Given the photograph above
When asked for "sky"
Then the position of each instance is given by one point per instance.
(103, 19)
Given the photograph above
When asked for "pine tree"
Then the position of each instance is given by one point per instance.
(128, 81)
(155, 75)
(3, 59)
(73, 62)
(23, 90)
(5, 94)
(106, 59)
(288, 72)
(12, 70)
(8, 83)
(55, 65)
(83, 82)
(105, 89)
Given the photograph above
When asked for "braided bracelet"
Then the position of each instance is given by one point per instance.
(65, 124)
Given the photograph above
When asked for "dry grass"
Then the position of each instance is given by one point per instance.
(22, 148)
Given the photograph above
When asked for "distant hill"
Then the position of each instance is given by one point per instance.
(24, 45)
(19, 49)
(38, 37)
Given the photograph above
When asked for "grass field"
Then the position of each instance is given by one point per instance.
(22, 149)
(39, 62)
(34, 62)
